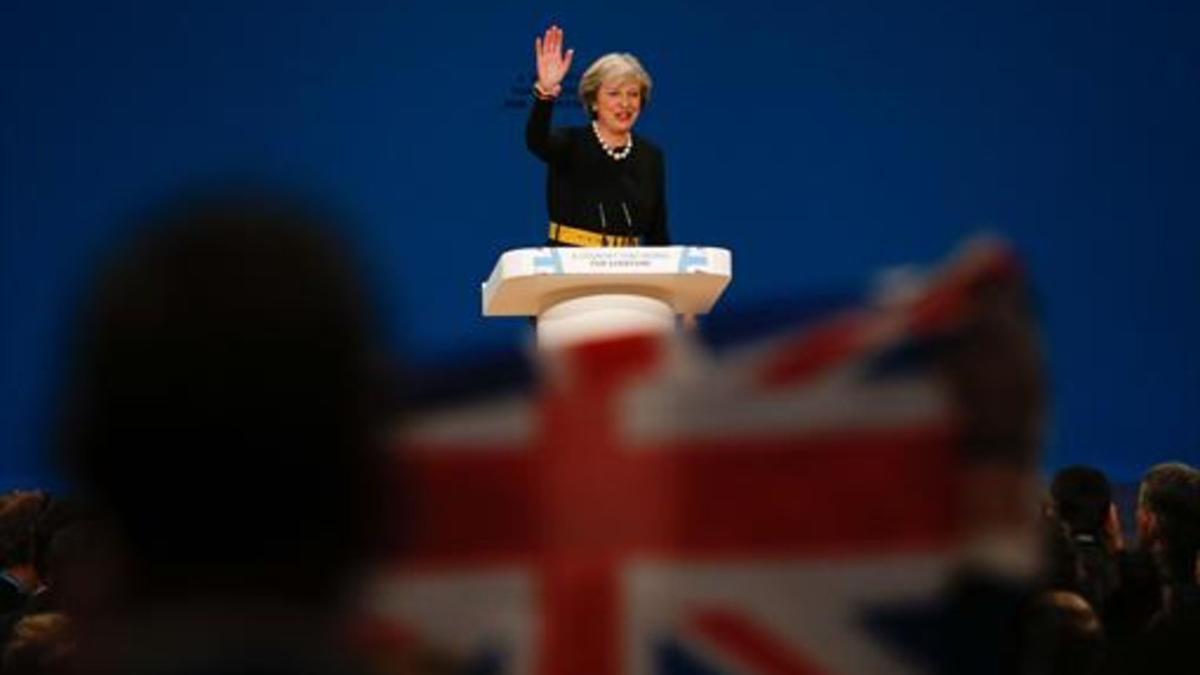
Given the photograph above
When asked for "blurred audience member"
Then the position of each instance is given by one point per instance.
(1064, 569)
(222, 412)
(1168, 519)
(19, 515)
(41, 644)
(1082, 501)
(80, 568)
(57, 515)
(1136, 599)
(993, 373)
(1062, 636)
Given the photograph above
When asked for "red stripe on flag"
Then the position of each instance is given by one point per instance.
(813, 351)
(581, 628)
(954, 295)
(871, 491)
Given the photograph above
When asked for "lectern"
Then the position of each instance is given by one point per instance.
(580, 294)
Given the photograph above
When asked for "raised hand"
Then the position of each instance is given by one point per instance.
(552, 63)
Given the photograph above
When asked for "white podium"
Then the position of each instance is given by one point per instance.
(580, 294)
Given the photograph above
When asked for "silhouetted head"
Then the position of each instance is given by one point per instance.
(1082, 499)
(221, 406)
(1169, 519)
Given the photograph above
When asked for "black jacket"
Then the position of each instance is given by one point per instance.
(585, 188)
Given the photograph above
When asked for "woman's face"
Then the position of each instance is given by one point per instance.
(618, 103)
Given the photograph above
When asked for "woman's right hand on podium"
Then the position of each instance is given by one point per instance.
(552, 63)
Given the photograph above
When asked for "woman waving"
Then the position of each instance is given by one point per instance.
(604, 183)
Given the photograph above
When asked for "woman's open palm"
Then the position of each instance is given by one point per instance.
(552, 63)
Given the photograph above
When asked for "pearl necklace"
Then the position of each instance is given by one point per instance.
(611, 152)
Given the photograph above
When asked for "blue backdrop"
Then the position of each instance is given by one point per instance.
(820, 141)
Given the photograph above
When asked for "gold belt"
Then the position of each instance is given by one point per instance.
(565, 234)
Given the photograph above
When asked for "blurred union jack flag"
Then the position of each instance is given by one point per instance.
(780, 503)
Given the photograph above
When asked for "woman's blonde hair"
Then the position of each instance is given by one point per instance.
(614, 65)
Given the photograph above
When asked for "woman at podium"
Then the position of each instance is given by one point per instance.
(604, 184)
